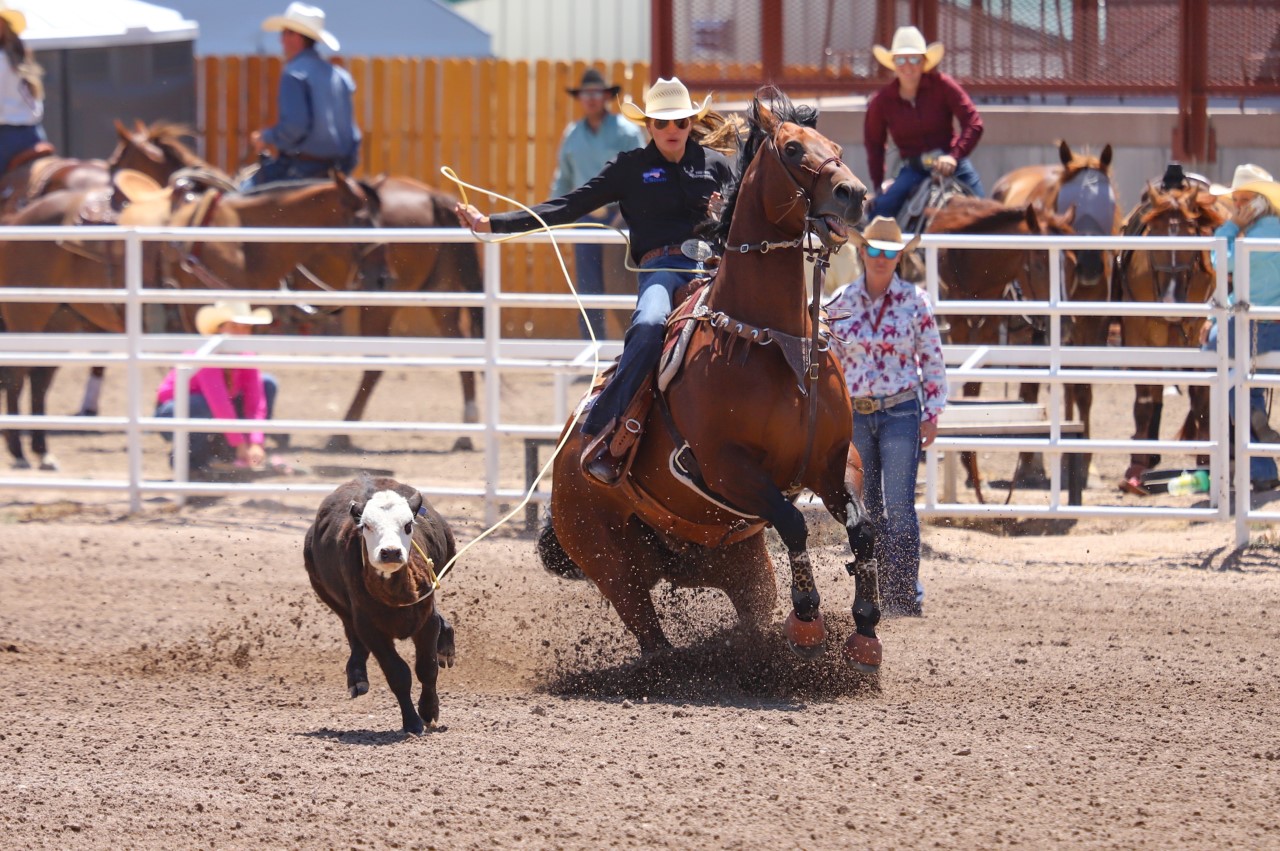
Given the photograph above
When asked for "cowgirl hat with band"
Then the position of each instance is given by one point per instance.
(666, 99)
(909, 41)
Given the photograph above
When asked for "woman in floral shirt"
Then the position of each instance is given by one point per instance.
(886, 339)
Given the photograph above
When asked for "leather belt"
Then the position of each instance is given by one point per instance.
(871, 404)
(312, 158)
(664, 251)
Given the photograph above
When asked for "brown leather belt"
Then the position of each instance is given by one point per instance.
(664, 251)
(871, 404)
(311, 158)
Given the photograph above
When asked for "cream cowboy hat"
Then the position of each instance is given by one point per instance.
(1247, 173)
(210, 317)
(909, 41)
(13, 17)
(667, 99)
(1269, 189)
(884, 233)
(303, 19)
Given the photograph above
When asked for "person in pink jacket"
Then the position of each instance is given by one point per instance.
(224, 393)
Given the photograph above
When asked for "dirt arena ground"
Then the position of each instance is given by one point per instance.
(170, 680)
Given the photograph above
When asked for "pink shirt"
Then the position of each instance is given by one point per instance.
(212, 385)
(927, 124)
(890, 344)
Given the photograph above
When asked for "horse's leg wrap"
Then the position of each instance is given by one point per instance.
(804, 592)
(866, 595)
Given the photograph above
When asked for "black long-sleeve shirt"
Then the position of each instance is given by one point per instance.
(661, 201)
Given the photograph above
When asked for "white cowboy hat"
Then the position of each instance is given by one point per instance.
(909, 41)
(304, 19)
(884, 233)
(1247, 173)
(1267, 188)
(13, 17)
(668, 99)
(210, 317)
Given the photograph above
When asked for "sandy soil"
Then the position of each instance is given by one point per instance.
(170, 680)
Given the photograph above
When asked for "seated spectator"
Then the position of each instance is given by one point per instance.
(236, 393)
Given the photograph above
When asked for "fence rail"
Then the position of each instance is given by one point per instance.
(1056, 365)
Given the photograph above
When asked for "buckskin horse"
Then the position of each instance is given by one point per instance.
(994, 274)
(1080, 187)
(1171, 277)
(758, 411)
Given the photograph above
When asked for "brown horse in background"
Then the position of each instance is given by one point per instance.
(752, 423)
(36, 176)
(1170, 277)
(418, 267)
(994, 274)
(1081, 186)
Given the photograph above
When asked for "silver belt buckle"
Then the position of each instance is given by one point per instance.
(865, 405)
(696, 249)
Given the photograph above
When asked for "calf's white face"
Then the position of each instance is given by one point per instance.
(387, 529)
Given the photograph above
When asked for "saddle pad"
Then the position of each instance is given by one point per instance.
(680, 327)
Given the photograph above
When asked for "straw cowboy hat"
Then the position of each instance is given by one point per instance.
(909, 41)
(210, 317)
(303, 19)
(884, 233)
(14, 18)
(593, 81)
(666, 99)
(1245, 174)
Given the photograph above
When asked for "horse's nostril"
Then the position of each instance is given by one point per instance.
(387, 554)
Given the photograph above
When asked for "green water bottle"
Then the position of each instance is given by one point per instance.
(1196, 481)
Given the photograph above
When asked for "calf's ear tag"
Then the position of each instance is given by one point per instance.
(422, 511)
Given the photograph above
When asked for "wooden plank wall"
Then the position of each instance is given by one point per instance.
(496, 123)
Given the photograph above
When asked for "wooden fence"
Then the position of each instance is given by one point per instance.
(496, 123)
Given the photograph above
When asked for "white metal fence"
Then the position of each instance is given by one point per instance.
(492, 355)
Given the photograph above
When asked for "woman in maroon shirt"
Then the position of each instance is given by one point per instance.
(919, 109)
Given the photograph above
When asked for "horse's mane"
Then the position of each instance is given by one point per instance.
(976, 215)
(168, 136)
(1193, 204)
(783, 110)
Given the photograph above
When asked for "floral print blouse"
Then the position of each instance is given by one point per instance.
(890, 344)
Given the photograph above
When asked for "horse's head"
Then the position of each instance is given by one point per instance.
(1086, 194)
(156, 151)
(799, 183)
(1177, 275)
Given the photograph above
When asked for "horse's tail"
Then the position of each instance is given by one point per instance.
(553, 556)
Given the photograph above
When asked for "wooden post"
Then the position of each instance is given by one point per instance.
(771, 25)
(662, 37)
(1191, 135)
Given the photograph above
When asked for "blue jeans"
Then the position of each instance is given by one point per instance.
(289, 168)
(588, 261)
(1266, 338)
(642, 344)
(16, 138)
(889, 443)
(203, 447)
(909, 177)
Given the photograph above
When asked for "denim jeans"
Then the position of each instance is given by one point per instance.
(889, 443)
(909, 177)
(203, 447)
(588, 261)
(642, 344)
(16, 138)
(289, 168)
(1266, 338)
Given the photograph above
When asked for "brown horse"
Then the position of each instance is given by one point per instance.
(74, 263)
(1081, 186)
(1170, 277)
(995, 274)
(36, 176)
(743, 427)
(157, 150)
(415, 267)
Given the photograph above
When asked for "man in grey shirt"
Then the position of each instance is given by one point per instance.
(587, 145)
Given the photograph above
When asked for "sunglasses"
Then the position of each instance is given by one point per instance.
(887, 253)
(661, 123)
(907, 60)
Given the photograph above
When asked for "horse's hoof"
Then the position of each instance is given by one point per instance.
(464, 444)
(807, 639)
(414, 727)
(21, 464)
(359, 688)
(50, 464)
(862, 653)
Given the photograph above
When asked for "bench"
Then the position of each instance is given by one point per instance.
(1000, 418)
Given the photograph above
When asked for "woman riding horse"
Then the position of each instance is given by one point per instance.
(663, 191)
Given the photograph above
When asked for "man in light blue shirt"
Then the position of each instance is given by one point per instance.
(586, 147)
(316, 129)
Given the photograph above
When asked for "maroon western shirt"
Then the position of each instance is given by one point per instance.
(923, 126)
